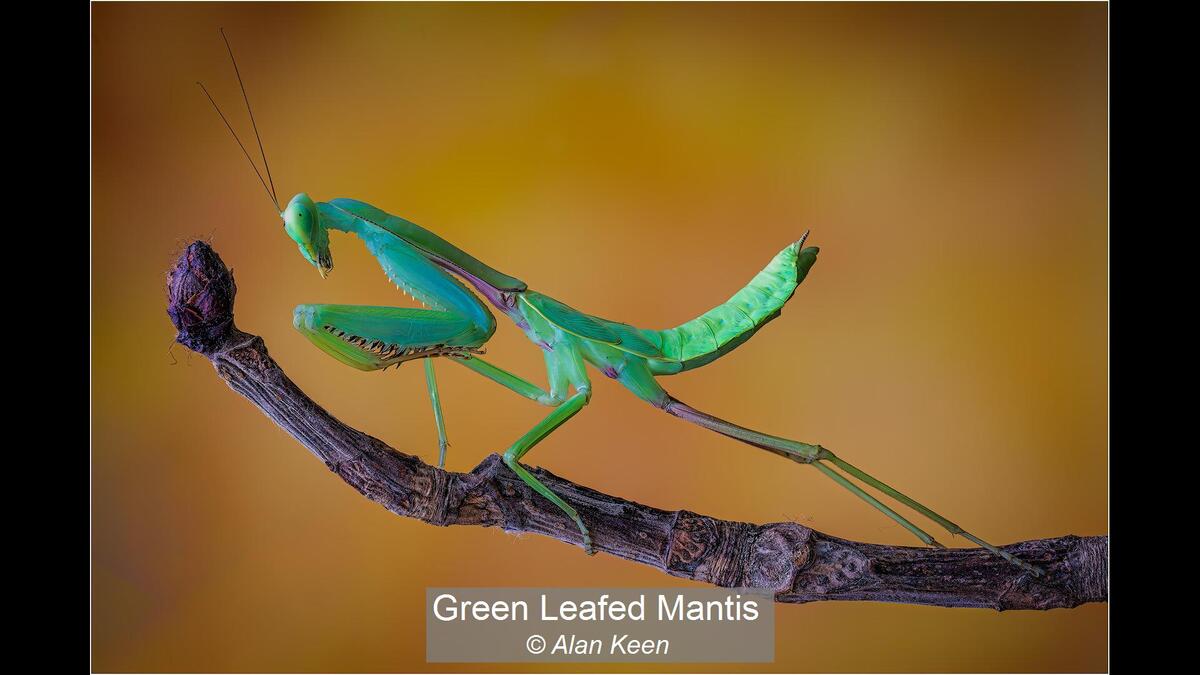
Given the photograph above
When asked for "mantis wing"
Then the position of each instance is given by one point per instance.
(634, 342)
(619, 335)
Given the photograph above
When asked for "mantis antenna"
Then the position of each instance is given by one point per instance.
(253, 124)
(269, 190)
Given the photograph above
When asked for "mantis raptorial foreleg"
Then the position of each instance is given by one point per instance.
(374, 338)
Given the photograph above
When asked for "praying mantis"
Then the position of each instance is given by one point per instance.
(454, 324)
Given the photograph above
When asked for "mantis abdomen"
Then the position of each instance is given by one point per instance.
(722, 328)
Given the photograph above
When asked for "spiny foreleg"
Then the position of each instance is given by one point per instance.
(375, 338)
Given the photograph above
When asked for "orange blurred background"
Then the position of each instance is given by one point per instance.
(640, 162)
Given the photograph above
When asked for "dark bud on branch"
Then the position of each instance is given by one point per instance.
(200, 291)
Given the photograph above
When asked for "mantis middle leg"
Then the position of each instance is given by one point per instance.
(564, 368)
(436, 401)
(496, 374)
(512, 457)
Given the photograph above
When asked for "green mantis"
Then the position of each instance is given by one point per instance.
(454, 324)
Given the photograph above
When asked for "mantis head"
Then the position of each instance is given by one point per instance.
(303, 224)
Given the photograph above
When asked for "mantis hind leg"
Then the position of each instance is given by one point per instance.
(796, 451)
(913, 504)
(642, 383)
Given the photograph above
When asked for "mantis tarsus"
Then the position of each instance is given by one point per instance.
(454, 323)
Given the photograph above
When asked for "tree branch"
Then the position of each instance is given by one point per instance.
(798, 563)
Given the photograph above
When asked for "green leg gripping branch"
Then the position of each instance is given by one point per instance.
(524, 444)
(913, 504)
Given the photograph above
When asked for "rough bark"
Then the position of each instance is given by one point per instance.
(796, 562)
